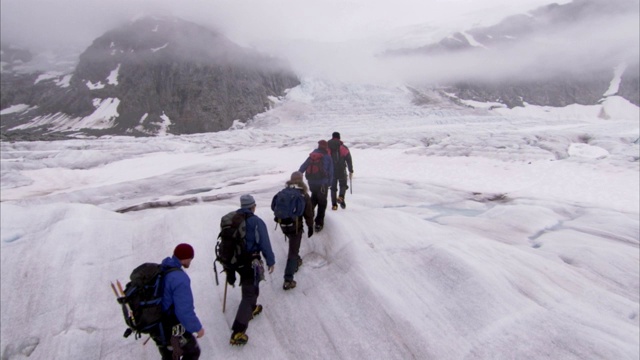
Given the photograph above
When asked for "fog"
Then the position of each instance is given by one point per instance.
(46, 22)
(342, 40)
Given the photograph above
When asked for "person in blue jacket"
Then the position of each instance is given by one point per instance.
(319, 179)
(257, 242)
(181, 321)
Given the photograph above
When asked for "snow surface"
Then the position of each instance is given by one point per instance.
(467, 235)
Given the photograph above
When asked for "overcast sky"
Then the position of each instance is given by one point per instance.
(340, 38)
(41, 22)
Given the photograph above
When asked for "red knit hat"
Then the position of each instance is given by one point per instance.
(183, 252)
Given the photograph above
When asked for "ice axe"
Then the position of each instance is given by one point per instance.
(224, 300)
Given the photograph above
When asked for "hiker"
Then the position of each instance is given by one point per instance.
(342, 162)
(257, 241)
(291, 225)
(180, 321)
(318, 169)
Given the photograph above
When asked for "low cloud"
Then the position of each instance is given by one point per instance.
(343, 39)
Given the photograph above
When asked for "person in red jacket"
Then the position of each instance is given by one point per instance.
(342, 162)
(318, 169)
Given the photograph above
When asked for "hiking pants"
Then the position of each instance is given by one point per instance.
(293, 256)
(319, 198)
(190, 350)
(250, 293)
(342, 181)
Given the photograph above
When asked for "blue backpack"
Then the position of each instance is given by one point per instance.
(141, 300)
(288, 205)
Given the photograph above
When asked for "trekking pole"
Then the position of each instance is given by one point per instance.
(215, 272)
(224, 300)
(350, 184)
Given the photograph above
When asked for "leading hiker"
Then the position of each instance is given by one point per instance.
(180, 320)
(318, 169)
(342, 162)
(256, 242)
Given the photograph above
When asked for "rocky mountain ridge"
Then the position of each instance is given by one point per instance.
(576, 23)
(151, 76)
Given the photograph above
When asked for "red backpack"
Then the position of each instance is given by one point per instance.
(315, 170)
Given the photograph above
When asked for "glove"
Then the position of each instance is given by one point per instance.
(231, 277)
(177, 350)
(350, 175)
(310, 232)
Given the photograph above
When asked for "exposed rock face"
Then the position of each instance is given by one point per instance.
(582, 79)
(148, 77)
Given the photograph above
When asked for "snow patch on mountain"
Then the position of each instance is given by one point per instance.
(615, 82)
(47, 76)
(160, 48)
(112, 79)
(14, 109)
(95, 86)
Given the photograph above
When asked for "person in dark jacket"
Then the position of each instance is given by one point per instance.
(257, 242)
(342, 162)
(180, 321)
(319, 181)
(294, 231)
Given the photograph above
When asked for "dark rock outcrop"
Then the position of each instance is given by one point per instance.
(163, 75)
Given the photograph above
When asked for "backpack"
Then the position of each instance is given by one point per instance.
(142, 300)
(315, 170)
(231, 247)
(338, 153)
(288, 205)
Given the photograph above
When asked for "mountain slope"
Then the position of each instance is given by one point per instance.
(555, 55)
(151, 76)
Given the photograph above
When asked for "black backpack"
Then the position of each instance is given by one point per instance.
(231, 249)
(142, 300)
(288, 205)
(315, 170)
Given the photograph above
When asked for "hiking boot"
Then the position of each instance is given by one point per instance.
(317, 228)
(334, 207)
(256, 311)
(238, 338)
(299, 261)
(341, 202)
(289, 285)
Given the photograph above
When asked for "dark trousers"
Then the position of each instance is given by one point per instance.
(342, 181)
(293, 256)
(319, 198)
(250, 292)
(190, 350)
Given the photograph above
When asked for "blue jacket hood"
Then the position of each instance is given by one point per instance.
(177, 297)
(258, 237)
